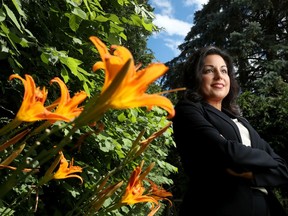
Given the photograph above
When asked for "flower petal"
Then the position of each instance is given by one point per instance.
(66, 170)
(32, 108)
(66, 106)
(131, 91)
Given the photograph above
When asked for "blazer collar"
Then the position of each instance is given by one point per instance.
(224, 113)
(226, 116)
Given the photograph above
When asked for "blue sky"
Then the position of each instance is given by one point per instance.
(176, 19)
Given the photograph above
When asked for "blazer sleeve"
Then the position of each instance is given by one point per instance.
(273, 176)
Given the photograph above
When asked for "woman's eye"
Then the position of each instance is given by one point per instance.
(209, 71)
(225, 71)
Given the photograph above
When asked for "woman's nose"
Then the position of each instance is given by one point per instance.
(217, 73)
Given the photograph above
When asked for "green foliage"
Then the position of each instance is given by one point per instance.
(58, 32)
(266, 107)
(45, 39)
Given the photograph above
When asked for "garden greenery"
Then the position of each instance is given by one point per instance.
(99, 145)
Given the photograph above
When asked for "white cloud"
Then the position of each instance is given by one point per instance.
(197, 3)
(172, 26)
(173, 45)
(164, 6)
(173, 29)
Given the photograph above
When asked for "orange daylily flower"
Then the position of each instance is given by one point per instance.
(159, 193)
(130, 92)
(144, 143)
(66, 170)
(104, 195)
(67, 106)
(135, 190)
(32, 108)
(14, 139)
(154, 210)
(26, 170)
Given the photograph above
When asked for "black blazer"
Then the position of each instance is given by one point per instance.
(209, 142)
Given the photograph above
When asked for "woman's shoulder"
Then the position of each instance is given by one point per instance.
(187, 109)
(188, 102)
(184, 102)
(188, 106)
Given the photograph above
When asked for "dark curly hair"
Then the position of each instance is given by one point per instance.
(192, 77)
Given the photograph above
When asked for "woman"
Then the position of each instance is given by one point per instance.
(232, 170)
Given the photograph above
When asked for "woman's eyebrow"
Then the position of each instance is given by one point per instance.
(213, 66)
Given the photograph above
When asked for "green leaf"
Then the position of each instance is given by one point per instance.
(101, 18)
(115, 18)
(9, 34)
(65, 75)
(13, 17)
(2, 15)
(86, 89)
(18, 7)
(75, 3)
(8, 211)
(136, 20)
(45, 58)
(80, 13)
(147, 26)
(114, 28)
(121, 117)
(74, 22)
(71, 63)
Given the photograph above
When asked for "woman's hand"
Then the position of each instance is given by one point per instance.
(246, 175)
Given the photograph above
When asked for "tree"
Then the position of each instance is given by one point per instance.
(253, 32)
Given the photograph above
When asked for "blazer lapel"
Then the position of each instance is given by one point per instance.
(225, 116)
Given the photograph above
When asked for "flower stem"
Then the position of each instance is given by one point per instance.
(10, 126)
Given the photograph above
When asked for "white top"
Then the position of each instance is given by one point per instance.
(245, 136)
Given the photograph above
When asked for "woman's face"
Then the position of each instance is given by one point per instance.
(215, 80)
